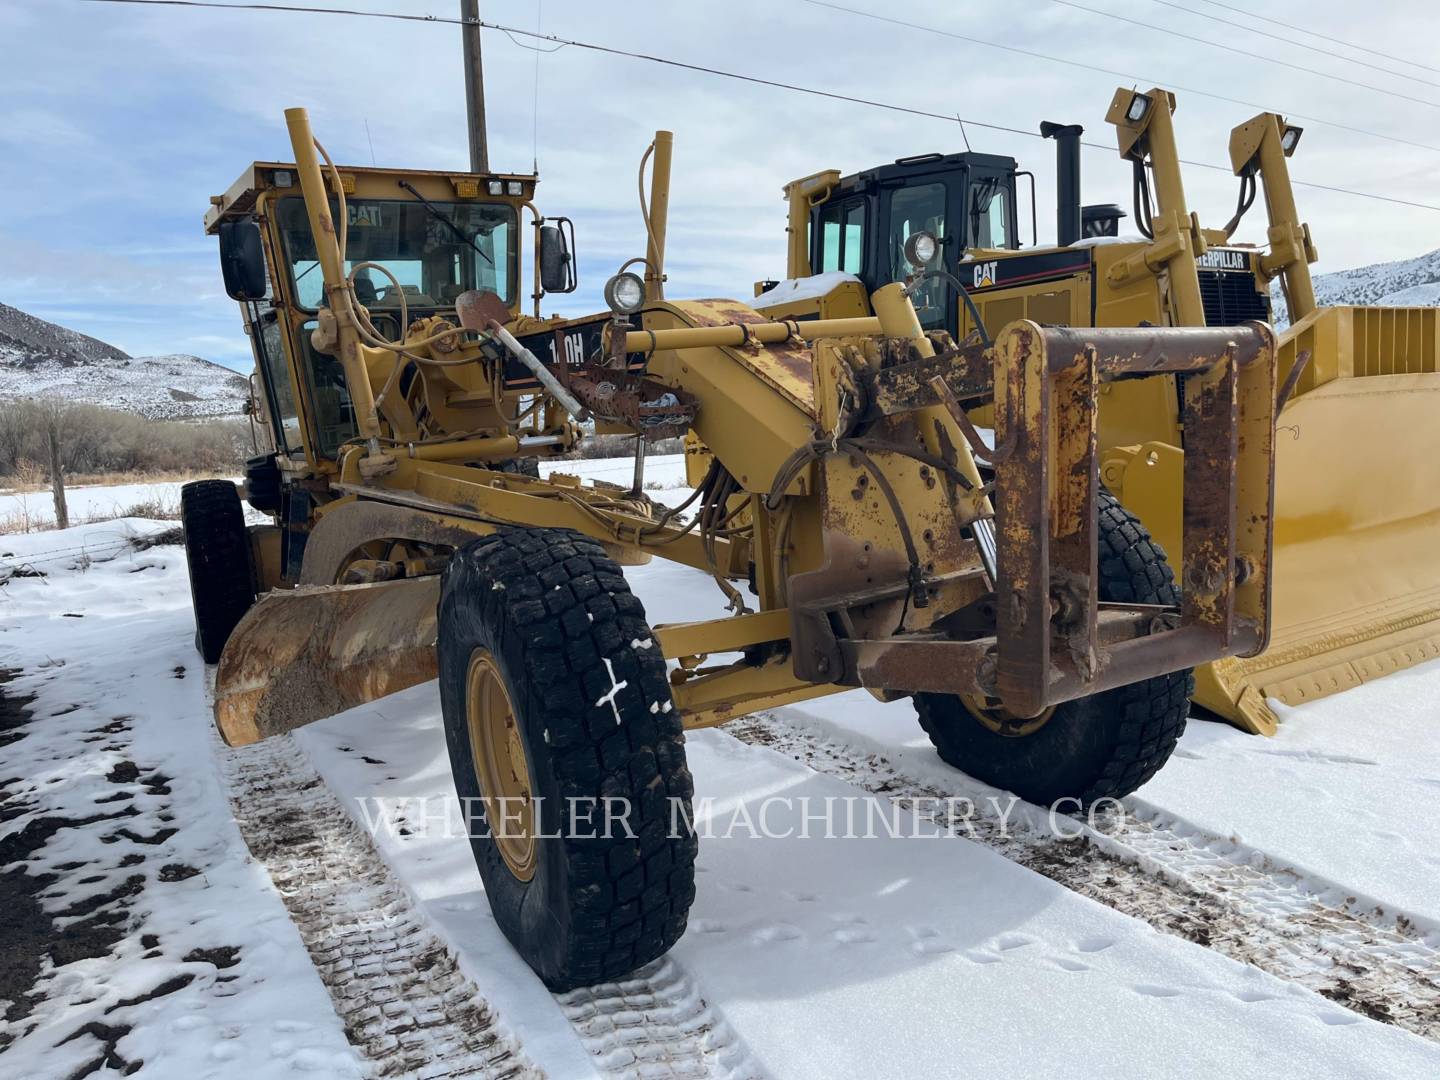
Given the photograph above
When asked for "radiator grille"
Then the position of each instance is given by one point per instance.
(1231, 298)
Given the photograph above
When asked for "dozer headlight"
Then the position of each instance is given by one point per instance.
(921, 248)
(624, 294)
(1290, 138)
(1139, 108)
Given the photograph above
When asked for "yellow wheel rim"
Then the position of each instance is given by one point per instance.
(497, 753)
(1000, 720)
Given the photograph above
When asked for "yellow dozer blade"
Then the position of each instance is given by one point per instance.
(1356, 578)
(303, 654)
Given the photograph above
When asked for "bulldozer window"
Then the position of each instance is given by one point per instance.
(989, 215)
(842, 236)
(912, 209)
(436, 252)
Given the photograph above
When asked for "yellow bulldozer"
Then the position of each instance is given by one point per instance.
(1356, 582)
(862, 532)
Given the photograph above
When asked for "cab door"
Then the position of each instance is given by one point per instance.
(928, 203)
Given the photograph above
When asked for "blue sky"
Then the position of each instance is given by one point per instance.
(121, 121)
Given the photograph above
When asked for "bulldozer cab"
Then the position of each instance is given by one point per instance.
(1345, 516)
(415, 242)
(967, 201)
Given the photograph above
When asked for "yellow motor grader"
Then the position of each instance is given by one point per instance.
(1357, 586)
(844, 514)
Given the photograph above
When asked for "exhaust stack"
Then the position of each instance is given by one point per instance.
(1067, 179)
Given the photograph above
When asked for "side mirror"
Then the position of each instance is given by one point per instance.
(242, 260)
(557, 256)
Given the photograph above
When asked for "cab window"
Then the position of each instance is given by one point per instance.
(913, 209)
(435, 252)
(989, 215)
(275, 374)
(330, 396)
(842, 236)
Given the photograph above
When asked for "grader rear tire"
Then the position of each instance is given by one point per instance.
(217, 554)
(552, 689)
(1101, 747)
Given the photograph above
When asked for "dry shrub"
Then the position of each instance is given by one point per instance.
(107, 441)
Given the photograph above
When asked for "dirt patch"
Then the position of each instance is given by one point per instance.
(109, 1057)
(117, 726)
(169, 986)
(37, 831)
(177, 872)
(224, 956)
(27, 931)
(90, 904)
(157, 783)
(14, 714)
(157, 837)
(127, 772)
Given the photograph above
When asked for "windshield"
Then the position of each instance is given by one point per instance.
(437, 251)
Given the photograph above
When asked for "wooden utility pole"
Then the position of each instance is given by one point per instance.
(474, 86)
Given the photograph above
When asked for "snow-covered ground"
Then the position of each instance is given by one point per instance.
(1262, 907)
(26, 511)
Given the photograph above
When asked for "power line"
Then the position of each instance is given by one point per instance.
(1126, 75)
(1322, 37)
(949, 118)
(1242, 52)
(1291, 41)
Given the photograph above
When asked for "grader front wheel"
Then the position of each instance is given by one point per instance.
(217, 555)
(1100, 747)
(567, 754)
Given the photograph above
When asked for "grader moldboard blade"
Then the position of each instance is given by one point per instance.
(304, 654)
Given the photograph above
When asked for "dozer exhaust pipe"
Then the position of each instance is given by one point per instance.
(1067, 179)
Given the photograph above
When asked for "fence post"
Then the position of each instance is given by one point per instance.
(54, 417)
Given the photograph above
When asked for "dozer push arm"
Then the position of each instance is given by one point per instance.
(1145, 130)
(1260, 146)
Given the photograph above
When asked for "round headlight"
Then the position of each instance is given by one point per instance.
(921, 248)
(624, 294)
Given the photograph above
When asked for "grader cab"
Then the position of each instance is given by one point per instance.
(1356, 589)
(863, 532)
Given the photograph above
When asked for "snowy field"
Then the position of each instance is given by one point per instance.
(25, 511)
(1261, 908)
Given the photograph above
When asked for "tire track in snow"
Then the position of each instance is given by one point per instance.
(656, 1025)
(396, 987)
(1185, 885)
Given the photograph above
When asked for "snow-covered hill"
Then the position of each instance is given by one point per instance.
(1406, 283)
(39, 358)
